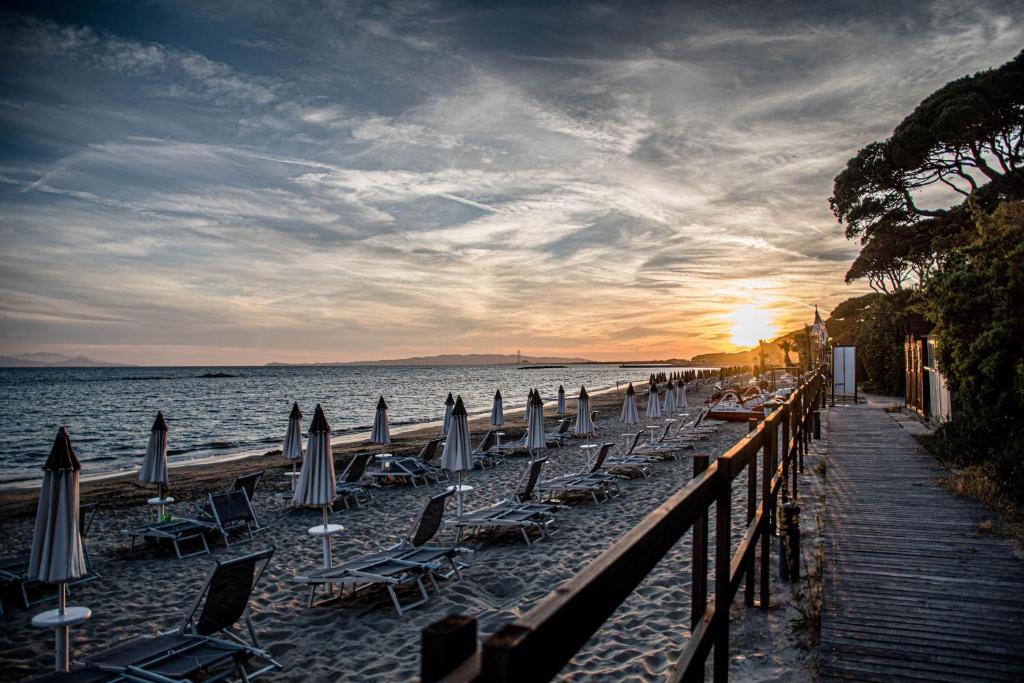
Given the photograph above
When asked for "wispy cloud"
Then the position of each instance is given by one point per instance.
(377, 180)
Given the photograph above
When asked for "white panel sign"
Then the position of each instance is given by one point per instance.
(844, 371)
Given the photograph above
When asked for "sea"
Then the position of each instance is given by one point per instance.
(229, 412)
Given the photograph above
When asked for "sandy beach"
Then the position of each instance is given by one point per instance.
(364, 639)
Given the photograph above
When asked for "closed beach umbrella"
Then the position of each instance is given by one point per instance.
(292, 449)
(560, 409)
(316, 484)
(381, 433)
(535, 425)
(315, 487)
(630, 415)
(653, 404)
(681, 395)
(56, 555)
(448, 403)
(497, 410)
(457, 456)
(154, 465)
(670, 398)
(584, 425)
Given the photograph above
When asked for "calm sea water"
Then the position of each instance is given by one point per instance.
(109, 411)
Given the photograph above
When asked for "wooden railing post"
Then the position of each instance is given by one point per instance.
(699, 571)
(768, 503)
(723, 560)
(445, 645)
(787, 453)
(751, 569)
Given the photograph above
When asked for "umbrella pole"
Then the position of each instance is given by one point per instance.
(62, 634)
(458, 496)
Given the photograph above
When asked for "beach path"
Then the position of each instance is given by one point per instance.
(916, 586)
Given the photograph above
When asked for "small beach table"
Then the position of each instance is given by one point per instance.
(588, 450)
(653, 429)
(459, 490)
(325, 531)
(61, 621)
(161, 505)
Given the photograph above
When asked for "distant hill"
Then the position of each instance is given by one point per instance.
(458, 359)
(52, 360)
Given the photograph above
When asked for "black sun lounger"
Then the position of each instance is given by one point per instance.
(206, 647)
(519, 512)
(404, 564)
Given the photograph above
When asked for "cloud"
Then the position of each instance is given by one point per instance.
(375, 180)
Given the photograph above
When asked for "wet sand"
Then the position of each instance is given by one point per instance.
(364, 639)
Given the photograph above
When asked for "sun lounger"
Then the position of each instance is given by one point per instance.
(404, 564)
(352, 485)
(559, 435)
(595, 483)
(231, 511)
(486, 455)
(178, 531)
(206, 647)
(408, 470)
(247, 483)
(428, 456)
(518, 512)
(14, 569)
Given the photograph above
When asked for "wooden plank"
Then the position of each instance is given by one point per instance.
(912, 590)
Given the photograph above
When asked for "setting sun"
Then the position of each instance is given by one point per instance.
(749, 324)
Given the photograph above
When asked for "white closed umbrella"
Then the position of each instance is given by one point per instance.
(584, 425)
(670, 398)
(653, 404)
(560, 408)
(154, 464)
(630, 415)
(535, 426)
(497, 410)
(317, 482)
(681, 395)
(448, 403)
(457, 456)
(292, 448)
(381, 431)
(57, 555)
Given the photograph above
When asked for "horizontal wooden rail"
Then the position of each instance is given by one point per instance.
(542, 641)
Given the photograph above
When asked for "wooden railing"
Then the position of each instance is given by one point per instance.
(542, 641)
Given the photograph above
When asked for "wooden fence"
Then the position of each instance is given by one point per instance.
(542, 641)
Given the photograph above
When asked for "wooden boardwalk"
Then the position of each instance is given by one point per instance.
(914, 589)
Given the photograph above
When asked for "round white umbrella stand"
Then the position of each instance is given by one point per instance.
(57, 555)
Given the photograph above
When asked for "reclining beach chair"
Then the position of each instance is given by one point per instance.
(231, 511)
(351, 485)
(486, 455)
(428, 456)
(518, 512)
(245, 482)
(178, 531)
(559, 435)
(14, 569)
(598, 485)
(665, 447)
(404, 564)
(206, 647)
(408, 470)
(631, 463)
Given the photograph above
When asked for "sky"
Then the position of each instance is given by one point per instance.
(249, 181)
